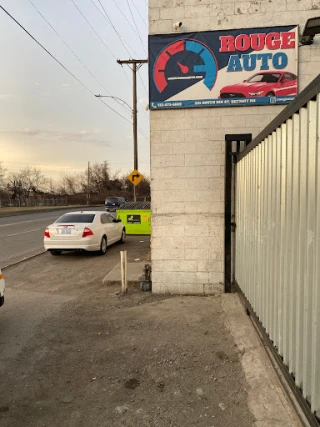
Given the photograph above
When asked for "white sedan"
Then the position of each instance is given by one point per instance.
(85, 230)
(2, 288)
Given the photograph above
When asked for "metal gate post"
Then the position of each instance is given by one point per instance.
(230, 138)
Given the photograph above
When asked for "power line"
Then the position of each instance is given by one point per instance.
(125, 17)
(71, 50)
(139, 14)
(144, 86)
(135, 24)
(94, 30)
(60, 63)
(86, 20)
(108, 19)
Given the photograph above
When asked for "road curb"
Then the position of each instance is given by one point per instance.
(22, 260)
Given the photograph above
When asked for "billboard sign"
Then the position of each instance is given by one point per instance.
(256, 66)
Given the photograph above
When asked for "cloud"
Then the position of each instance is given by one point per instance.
(8, 96)
(36, 83)
(83, 137)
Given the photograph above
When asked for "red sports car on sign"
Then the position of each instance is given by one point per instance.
(268, 83)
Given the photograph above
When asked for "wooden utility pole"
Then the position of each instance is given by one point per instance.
(135, 65)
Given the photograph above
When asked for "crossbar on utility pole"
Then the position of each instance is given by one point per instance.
(136, 64)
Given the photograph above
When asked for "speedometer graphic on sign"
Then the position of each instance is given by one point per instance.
(184, 62)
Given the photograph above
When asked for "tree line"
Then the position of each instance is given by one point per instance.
(97, 181)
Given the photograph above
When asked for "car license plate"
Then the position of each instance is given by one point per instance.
(66, 231)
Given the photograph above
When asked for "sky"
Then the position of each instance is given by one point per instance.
(48, 119)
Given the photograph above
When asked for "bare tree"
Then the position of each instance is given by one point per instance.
(27, 180)
(71, 184)
(100, 178)
(2, 176)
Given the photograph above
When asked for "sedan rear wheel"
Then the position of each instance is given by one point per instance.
(123, 236)
(55, 252)
(103, 245)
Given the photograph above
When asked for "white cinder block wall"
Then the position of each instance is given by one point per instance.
(187, 146)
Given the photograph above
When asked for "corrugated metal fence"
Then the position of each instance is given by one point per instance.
(277, 255)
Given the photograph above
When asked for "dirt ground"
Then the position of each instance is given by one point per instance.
(75, 353)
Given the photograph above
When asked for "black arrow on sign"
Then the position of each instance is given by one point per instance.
(135, 176)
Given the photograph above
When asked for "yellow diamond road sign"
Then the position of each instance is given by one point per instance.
(135, 177)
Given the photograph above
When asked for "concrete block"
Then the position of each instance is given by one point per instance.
(216, 277)
(178, 148)
(215, 255)
(201, 196)
(160, 3)
(309, 67)
(196, 254)
(215, 231)
(210, 266)
(213, 289)
(197, 135)
(167, 254)
(160, 149)
(224, 8)
(195, 277)
(182, 266)
(158, 266)
(197, 2)
(167, 288)
(170, 208)
(191, 289)
(154, 14)
(200, 10)
(204, 23)
(170, 196)
(247, 7)
(164, 160)
(192, 207)
(195, 230)
(172, 136)
(196, 184)
(172, 13)
(218, 134)
(160, 26)
(299, 5)
(207, 122)
(273, 6)
(238, 119)
(155, 135)
(175, 242)
(168, 184)
(204, 159)
(216, 207)
(216, 184)
(208, 147)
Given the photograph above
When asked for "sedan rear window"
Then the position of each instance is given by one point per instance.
(77, 218)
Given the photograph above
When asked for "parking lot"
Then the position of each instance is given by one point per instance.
(74, 352)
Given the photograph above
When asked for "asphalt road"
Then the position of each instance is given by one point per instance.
(21, 236)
